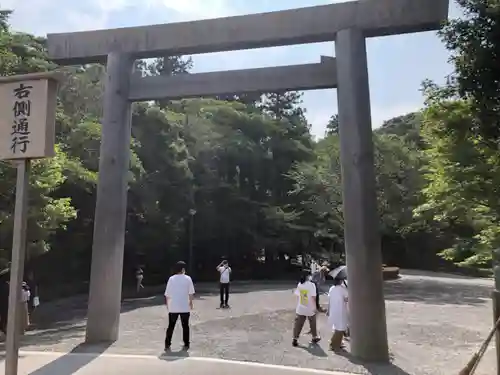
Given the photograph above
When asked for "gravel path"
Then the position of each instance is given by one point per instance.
(435, 324)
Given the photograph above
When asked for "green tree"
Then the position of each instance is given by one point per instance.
(474, 42)
(281, 105)
(406, 127)
(461, 131)
(318, 187)
(333, 125)
(48, 212)
(462, 175)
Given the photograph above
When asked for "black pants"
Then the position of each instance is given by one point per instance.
(224, 293)
(172, 320)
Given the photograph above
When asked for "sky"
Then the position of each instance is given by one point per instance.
(397, 64)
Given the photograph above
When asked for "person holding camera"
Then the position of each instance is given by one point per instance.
(224, 281)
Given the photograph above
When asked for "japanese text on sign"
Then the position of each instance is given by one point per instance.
(27, 116)
(20, 135)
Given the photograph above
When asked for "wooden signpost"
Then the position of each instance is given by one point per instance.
(27, 131)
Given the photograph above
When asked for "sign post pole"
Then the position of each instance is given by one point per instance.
(17, 267)
(27, 131)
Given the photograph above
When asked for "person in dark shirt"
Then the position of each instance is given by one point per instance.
(318, 277)
(33, 287)
(4, 304)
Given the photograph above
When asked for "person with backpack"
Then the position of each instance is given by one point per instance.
(224, 281)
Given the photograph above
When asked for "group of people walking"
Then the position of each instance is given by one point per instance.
(179, 296)
(308, 292)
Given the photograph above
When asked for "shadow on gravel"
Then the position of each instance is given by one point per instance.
(436, 292)
(315, 350)
(63, 331)
(172, 356)
(374, 368)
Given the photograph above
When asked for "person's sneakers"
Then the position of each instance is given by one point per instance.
(185, 347)
(226, 306)
(221, 306)
(315, 340)
(295, 342)
(167, 348)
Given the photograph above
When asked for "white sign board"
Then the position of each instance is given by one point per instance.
(27, 117)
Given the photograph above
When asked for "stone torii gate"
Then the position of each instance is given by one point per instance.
(348, 24)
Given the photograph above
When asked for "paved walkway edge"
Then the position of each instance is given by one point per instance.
(198, 359)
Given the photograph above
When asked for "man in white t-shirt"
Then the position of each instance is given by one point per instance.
(179, 300)
(225, 279)
(306, 308)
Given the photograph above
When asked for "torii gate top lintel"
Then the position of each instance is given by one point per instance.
(287, 27)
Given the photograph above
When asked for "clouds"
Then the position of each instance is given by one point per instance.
(8, 4)
(48, 16)
(51, 16)
(198, 9)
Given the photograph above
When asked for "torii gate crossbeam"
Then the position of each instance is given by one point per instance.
(276, 79)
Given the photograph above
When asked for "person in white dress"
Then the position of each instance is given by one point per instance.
(337, 313)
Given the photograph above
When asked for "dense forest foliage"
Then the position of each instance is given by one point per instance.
(242, 176)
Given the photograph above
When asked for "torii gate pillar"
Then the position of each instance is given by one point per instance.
(361, 222)
(103, 316)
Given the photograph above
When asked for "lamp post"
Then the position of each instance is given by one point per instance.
(192, 212)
